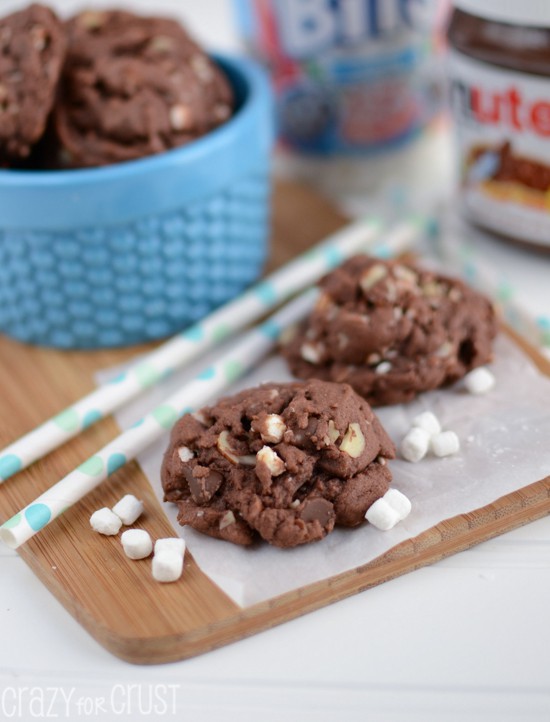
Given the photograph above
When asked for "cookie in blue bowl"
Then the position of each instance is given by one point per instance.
(138, 248)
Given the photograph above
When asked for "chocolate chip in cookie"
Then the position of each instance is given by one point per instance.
(281, 462)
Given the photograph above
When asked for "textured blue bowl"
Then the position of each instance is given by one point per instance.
(137, 251)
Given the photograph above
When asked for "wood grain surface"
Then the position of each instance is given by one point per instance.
(120, 605)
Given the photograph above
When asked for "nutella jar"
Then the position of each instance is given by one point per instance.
(500, 99)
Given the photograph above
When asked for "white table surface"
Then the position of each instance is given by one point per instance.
(467, 638)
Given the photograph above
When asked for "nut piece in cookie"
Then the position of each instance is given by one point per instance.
(32, 48)
(134, 86)
(281, 462)
(392, 330)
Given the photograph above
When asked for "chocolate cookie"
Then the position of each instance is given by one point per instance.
(392, 330)
(282, 462)
(32, 47)
(133, 86)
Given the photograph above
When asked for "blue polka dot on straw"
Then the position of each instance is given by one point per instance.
(37, 516)
(266, 293)
(9, 465)
(333, 257)
(195, 333)
(90, 418)
(207, 374)
(115, 462)
(271, 329)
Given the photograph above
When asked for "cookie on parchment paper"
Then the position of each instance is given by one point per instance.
(281, 462)
(392, 330)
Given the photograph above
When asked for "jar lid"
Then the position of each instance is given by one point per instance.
(528, 13)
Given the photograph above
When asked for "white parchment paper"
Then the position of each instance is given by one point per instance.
(505, 438)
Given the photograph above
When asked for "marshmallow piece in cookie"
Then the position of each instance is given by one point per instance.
(274, 429)
(137, 543)
(167, 566)
(128, 509)
(311, 352)
(479, 381)
(174, 544)
(427, 421)
(105, 522)
(445, 443)
(382, 515)
(414, 446)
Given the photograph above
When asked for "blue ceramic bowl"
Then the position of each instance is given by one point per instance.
(136, 251)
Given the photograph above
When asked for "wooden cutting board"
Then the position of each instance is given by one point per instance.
(119, 604)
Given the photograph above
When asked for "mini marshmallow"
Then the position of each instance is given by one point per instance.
(398, 502)
(479, 381)
(167, 566)
(445, 443)
(105, 522)
(137, 543)
(174, 544)
(275, 428)
(415, 444)
(311, 353)
(128, 509)
(382, 515)
(427, 421)
(185, 454)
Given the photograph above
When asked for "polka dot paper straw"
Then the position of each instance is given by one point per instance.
(253, 346)
(190, 344)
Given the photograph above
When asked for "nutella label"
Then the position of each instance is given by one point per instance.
(502, 120)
